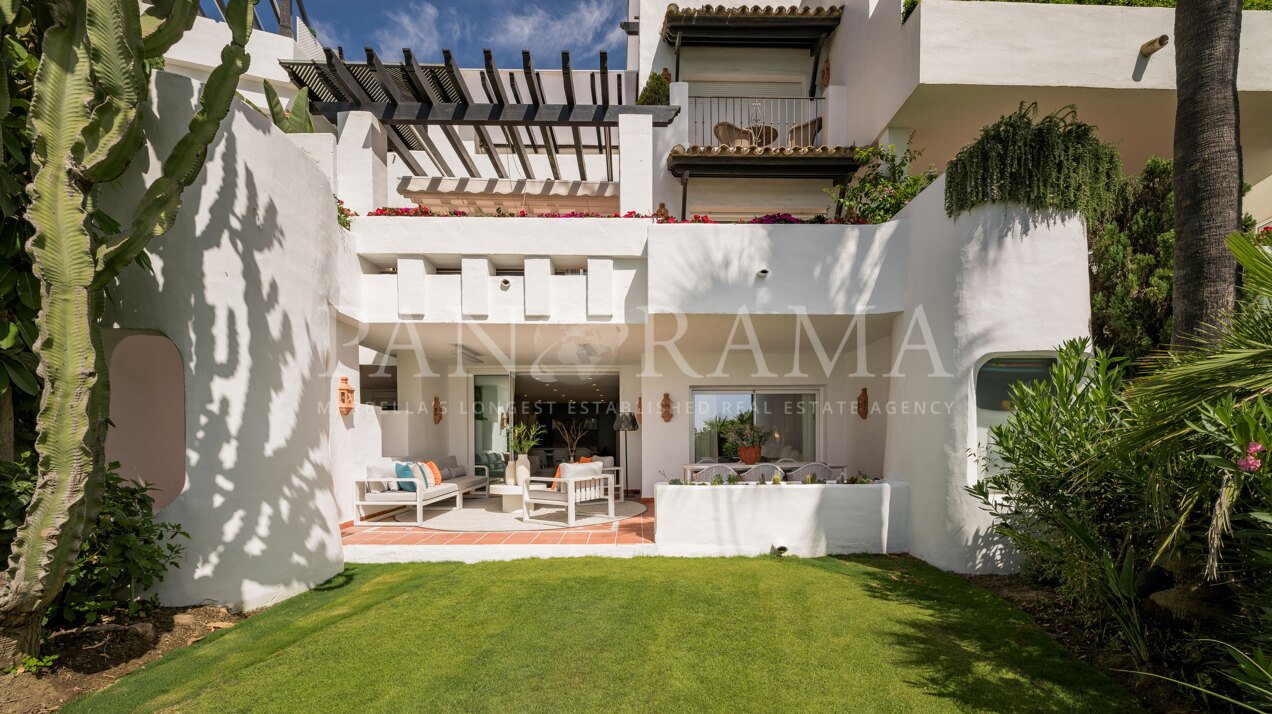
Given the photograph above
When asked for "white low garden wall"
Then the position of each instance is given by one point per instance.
(810, 520)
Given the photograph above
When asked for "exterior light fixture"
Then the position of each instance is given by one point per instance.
(345, 395)
(764, 273)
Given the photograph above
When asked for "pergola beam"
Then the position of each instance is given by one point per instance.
(568, 80)
(501, 115)
(513, 134)
(352, 88)
(422, 88)
(536, 98)
(483, 135)
(605, 102)
(430, 148)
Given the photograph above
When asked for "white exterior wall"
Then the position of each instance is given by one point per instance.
(995, 281)
(241, 286)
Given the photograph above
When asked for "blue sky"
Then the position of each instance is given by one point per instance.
(545, 27)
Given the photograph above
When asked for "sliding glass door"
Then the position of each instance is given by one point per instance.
(791, 414)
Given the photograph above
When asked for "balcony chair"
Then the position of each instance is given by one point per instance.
(732, 135)
(765, 134)
(804, 134)
(579, 484)
(711, 472)
(820, 470)
(762, 472)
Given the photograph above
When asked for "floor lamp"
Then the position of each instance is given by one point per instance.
(625, 422)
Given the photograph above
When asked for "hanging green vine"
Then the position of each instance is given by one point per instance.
(1056, 163)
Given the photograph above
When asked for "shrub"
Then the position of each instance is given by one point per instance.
(883, 185)
(1132, 266)
(1056, 163)
(1035, 466)
(656, 91)
(124, 554)
(344, 214)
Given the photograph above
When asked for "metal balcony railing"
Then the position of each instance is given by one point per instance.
(773, 122)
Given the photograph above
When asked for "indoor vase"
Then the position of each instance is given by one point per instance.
(510, 473)
(750, 455)
(523, 468)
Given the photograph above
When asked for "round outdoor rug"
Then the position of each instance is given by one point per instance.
(486, 514)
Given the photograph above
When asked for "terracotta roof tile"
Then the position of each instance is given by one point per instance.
(756, 11)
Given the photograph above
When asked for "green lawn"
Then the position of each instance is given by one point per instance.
(651, 635)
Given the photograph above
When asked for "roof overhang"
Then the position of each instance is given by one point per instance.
(719, 26)
(831, 162)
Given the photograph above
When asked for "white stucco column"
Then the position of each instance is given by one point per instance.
(636, 163)
(666, 186)
(362, 162)
(835, 116)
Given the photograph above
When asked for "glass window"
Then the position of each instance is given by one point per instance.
(791, 415)
(995, 378)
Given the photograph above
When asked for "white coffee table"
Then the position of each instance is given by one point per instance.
(511, 496)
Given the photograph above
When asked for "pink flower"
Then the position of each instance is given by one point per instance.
(1253, 448)
(1249, 464)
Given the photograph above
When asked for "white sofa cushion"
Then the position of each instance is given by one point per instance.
(581, 470)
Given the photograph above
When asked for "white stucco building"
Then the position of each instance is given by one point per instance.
(881, 349)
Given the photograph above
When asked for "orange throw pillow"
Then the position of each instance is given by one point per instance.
(585, 459)
(431, 469)
(553, 487)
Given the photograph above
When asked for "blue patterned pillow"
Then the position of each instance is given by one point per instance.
(404, 470)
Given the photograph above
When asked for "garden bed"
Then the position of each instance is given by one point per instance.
(808, 520)
(95, 659)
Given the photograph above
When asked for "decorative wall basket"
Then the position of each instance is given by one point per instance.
(863, 403)
(640, 412)
(666, 406)
(344, 394)
(437, 410)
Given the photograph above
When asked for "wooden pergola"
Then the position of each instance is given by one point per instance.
(408, 97)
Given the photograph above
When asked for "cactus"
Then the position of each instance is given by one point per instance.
(86, 126)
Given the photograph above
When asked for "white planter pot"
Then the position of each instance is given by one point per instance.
(523, 468)
(510, 474)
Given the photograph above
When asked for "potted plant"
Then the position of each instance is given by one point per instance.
(522, 438)
(748, 437)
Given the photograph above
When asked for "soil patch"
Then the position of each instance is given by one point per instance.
(92, 660)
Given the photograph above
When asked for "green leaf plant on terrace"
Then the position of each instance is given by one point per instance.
(1053, 164)
(86, 126)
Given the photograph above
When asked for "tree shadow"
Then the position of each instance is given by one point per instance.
(240, 286)
(975, 649)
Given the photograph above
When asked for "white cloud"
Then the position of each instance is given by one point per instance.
(421, 27)
(590, 26)
(329, 36)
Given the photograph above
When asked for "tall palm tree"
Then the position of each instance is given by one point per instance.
(1207, 165)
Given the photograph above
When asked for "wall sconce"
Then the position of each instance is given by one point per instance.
(666, 406)
(863, 403)
(762, 273)
(640, 412)
(345, 396)
(437, 410)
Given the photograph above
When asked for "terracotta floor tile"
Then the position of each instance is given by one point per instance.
(548, 537)
(601, 538)
(521, 538)
(466, 538)
(493, 538)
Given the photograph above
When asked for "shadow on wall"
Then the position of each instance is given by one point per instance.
(240, 286)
